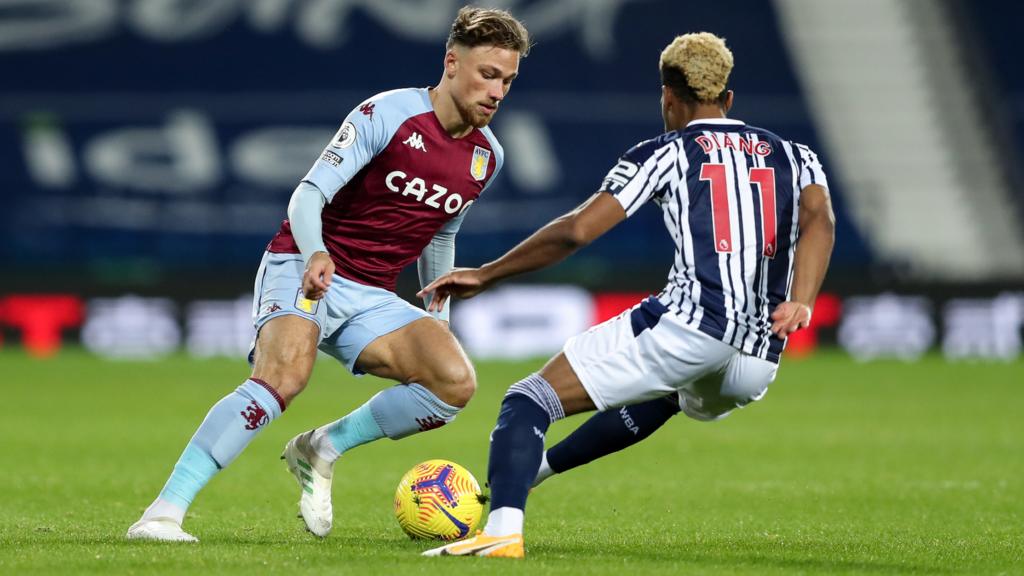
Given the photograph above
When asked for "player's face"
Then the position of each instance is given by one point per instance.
(481, 77)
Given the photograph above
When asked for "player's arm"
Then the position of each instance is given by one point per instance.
(558, 239)
(360, 138)
(552, 243)
(622, 192)
(813, 250)
(304, 208)
(437, 259)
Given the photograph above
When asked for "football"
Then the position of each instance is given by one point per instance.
(438, 500)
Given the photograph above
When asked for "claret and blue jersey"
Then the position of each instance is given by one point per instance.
(393, 178)
(730, 194)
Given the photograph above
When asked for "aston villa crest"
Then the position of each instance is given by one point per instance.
(478, 168)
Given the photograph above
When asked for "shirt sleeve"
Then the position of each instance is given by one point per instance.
(361, 137)
(304, 208)
(437, 259)
(499, 157)
(811, 171)
(629, 181)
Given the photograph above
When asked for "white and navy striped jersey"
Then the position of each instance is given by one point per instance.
(730, 195)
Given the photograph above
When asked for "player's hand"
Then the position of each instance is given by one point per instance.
(789, 317)
(459, 282)
(317, 277)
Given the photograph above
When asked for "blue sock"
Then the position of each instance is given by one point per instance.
(517, 441)
(396, 412)
(611, 431)
(406, 409)
(226, 431)
(357, 428)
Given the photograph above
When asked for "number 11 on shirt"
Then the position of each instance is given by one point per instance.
(765, 180)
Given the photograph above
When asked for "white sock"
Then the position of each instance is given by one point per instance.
(504, 521)
(161, 508)
(545, 470)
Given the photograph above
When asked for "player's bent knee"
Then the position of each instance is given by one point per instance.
(288, 378)
(287, 386)
(291, 387)
(455, 384)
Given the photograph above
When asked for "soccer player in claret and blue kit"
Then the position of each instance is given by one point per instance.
(392, 187)
(752, 223)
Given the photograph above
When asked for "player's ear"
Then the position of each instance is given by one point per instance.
(669, 101)
(451, 62)
(728, 100)
(666, 97)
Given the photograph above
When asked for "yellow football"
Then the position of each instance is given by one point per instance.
(439, 500)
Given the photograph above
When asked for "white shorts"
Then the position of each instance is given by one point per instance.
(350, 315)
(647, 352)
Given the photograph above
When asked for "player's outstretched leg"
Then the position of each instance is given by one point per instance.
(228, 428)
(422, 351)
(284, 357)
(517, 443)
(607, 432)
(394, 413)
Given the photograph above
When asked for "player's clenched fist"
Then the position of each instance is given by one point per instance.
(317, 277)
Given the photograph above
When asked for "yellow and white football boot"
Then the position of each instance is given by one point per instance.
(483, 545)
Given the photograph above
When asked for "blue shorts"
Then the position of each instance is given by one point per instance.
(350, 316)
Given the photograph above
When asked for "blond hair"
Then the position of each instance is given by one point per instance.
(488, 27)
(697, 66)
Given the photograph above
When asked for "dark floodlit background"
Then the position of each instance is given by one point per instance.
(149, 149)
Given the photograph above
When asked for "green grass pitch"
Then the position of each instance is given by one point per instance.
(844, 468)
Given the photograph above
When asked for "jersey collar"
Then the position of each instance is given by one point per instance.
(717, 121)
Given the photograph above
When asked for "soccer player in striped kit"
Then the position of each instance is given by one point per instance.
(752, 223)
(391, 188)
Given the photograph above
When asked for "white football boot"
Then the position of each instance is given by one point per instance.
(159, 529)
(314, 476)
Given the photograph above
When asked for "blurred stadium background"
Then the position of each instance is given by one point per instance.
(150, 147)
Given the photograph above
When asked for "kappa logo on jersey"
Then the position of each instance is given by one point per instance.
(345, 137)
(367, 109)
(305, 304)
(436, 197)
(619, 176)
(331, 158)
(478, 167)
(415, 141)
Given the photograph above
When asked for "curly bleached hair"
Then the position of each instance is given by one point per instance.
(696, 67)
